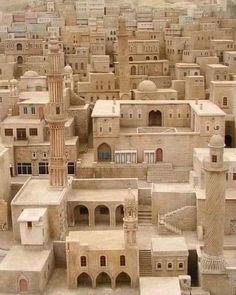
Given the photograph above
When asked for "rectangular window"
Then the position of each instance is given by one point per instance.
(25, 110)
(8, 132)
(43, 167)
(214, 158)
(102, 260)
(234, 176)
(225, 101)
(33, 110)
(83, 261)
(58, 111)
(21, 134)
(29, 224)
(24, 168)
(71, 168)
(33, 131)
(122, 260)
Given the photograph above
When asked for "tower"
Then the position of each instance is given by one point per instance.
(130, 219)
(212, 261)
(123, 59)
(56, 118)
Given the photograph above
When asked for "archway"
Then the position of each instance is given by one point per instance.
(23, 285)
(102, 215)
(123, 279)
(131, 58)
(119, 215)
(103, 279)
(228, 141)
(159, 155)
(81, 215)
(104, 153)
(155, 118)
(84, 280)
(133, 70)
(19, 60)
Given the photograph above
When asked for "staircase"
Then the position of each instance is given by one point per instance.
(145, 263)
(160, 173)
(183, 218)
(166, 228)
(145, 215)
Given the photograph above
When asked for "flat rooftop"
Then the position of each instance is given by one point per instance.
(173, 187)
(98, 240)
(100, 195)
(169, 246)
(37, 96)
(19, 120)
(206, 108)
(37, 192)
(106, 108)
(32, 214)
(22, 259)
(159, 286)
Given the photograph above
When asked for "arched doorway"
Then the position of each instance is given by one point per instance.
(19, 60)
(23, 285)
(159, 155)
(81, 215)
(133, 70)
(123, 280)
(104, 153)
(155, 118)
(228, 141)
(84, 280)
(119, 215)
(103, 279)
(102, 215)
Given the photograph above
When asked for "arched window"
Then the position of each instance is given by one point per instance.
(19, 46)
(131, 58)
(103, 261)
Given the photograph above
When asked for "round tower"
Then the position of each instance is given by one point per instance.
(56, 118)
(123, 59)
(212, 261)
(130, 219)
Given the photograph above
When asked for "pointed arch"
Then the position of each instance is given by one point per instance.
(123, 280)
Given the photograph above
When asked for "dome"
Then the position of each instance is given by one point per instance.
(31, 74)
(216, 141)
(68, 69)
(14, 81)
(147, 86)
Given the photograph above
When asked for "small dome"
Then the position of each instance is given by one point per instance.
(31, 74)
(216, 141)
(68, 69)
(14, 81)
(147, 86)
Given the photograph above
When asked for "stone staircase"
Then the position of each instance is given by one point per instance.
(178, 216)
(167, 228)
(160, 173)
(145, 215)
(145, 263)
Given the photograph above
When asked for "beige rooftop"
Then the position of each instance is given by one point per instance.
(99, 240)
(32, 214)
(169, 246)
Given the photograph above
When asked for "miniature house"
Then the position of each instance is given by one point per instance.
(33, 226)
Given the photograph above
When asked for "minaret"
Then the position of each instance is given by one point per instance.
(123, 59)
(56, 118)
(130, 219)
(212, 261)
